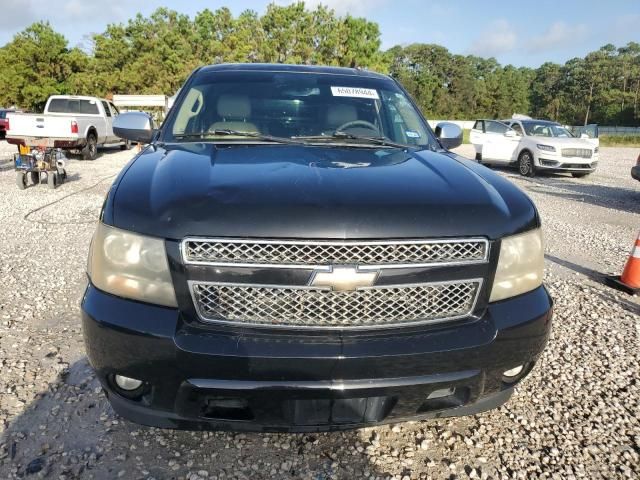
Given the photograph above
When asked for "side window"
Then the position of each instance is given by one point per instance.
(105, 105)
(114, 109)
(89, 107)
(496, 127)
(58, 105)
(189, 110)
(73, 106)
(479, 125)
(518, 129)
(406, 123)
(63, 105)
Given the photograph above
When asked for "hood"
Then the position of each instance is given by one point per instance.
(292, 191)
(563, 142)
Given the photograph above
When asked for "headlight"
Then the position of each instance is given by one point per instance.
(546, 148)
(520, 265)
(131, 266)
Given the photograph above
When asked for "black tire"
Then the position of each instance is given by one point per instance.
(51, 180)
(525, 164)
(478, 157)
(126, 145)
(21, 180)
(579, 174)
(90, 150)
(35, 178)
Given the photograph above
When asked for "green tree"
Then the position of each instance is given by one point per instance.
(36, 64)
(155, 54)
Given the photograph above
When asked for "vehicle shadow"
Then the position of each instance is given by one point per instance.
(6, 164)
(557, 185)
(71, 431)
(588, 272)
(74, 177)
(616, 198)
(76, 155)
(598, 277)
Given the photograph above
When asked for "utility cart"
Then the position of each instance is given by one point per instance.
(39, 164)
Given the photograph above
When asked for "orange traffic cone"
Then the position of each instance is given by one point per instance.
(629, 281)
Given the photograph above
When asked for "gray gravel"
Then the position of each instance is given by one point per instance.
(576, 416)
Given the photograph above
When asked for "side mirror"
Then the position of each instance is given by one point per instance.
(510, 133)
(449, 134)
(134, 126)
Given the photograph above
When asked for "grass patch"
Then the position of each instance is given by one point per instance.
(465, 136)
(620, 140)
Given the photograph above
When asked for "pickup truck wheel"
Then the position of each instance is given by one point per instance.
(90, 150)
(525, 165)
(35, 178)
(51, 180)
(21, 180)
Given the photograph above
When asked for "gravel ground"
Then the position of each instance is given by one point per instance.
(576, 416)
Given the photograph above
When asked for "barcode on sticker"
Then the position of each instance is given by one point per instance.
(354, 92)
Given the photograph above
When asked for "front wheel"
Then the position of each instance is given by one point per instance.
(525, 165)
(90, 150)
(21, 180)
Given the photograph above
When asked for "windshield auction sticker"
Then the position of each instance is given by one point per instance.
(354, 92)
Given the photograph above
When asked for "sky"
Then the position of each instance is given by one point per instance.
(520, 32)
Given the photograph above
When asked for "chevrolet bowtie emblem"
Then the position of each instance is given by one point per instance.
(343, 279)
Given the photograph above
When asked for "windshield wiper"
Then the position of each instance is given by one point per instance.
(339, 134)
(238, 133)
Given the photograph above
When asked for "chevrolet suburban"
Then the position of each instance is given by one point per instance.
(296, 250)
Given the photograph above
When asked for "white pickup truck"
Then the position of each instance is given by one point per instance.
(68, 122)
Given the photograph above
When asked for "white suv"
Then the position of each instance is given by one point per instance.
(534, 145)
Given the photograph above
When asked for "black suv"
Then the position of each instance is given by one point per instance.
(297, 250)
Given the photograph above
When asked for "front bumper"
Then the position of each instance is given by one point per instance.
(272, 381)
(567, 164)
(51, 142)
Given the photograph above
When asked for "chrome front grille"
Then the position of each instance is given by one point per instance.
(314, 254)
(577, 152)
(303, 307)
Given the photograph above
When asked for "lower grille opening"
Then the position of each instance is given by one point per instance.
(576, 165)
(549, 163)
(455, 397)
(227, 409)
(337, 410)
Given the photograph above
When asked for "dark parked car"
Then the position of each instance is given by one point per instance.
(635, 171)
(297, 250)
(4, 122)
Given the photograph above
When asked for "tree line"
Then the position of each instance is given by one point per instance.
(155, 54)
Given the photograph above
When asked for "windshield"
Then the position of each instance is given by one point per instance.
(310, 107)
(545, 129)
